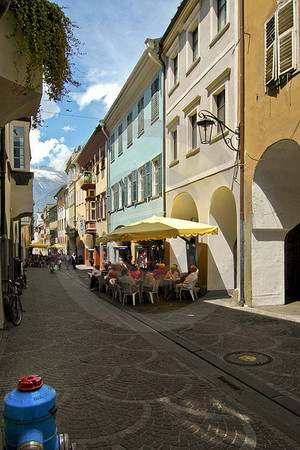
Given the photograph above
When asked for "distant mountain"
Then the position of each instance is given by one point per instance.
(46, 183)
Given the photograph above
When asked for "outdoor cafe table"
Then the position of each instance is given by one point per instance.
(169, 285)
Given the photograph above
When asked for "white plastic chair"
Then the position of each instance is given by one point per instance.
(127, 291)
(190, 288)
(154, 290)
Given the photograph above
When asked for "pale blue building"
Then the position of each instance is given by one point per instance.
(135, 153)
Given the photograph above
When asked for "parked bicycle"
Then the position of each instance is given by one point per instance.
(12, 303)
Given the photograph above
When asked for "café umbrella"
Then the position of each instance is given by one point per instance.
(38, 245)
(158, 228)
(57, 246)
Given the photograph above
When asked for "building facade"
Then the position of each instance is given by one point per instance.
(61, 197)
(200, 50)
(272, 152)
(135, 157)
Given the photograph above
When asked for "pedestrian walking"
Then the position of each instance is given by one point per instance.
(59, 261)
(51, 262)
(74, 260)
(68, 260)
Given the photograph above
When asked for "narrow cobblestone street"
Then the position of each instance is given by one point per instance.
(154, 376)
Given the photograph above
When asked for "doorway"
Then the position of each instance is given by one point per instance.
(292, 265)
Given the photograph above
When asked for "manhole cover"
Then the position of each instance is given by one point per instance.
(247, 358)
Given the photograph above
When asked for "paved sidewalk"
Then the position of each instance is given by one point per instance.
(213, 330)
(122, 385)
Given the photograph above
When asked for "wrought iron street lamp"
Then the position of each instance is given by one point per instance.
(206, 123)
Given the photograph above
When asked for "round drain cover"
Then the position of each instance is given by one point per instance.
(247, 358)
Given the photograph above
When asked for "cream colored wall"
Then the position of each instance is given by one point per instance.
(200, 172)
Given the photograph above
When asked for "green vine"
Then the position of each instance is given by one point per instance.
(47, 36)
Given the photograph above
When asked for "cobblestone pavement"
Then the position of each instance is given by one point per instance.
(213, 332)
(122, 385)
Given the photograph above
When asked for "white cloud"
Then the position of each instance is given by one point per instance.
(49, 108)
(52, 152)
(68, 128)
(106, 92)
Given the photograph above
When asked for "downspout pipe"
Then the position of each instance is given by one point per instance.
(242, 152)
(102, 125)
(164, 130)
(150, 43)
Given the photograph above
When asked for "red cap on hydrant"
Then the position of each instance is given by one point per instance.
(30, 383)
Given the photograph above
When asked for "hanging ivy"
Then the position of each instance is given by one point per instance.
(49, 40)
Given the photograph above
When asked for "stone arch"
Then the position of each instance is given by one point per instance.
(276, 210)
(222, 258)
(184, 207)
(186, 251)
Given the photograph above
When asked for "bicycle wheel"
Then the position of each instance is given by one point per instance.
(15, 309)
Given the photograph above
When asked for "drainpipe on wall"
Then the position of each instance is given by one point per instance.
(102, 125)
(150, 43)
(242, 153)
(164, 131)
(3, 237)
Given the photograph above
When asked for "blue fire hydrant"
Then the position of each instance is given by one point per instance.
(30, 417)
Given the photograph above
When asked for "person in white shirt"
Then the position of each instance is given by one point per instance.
(189, 280)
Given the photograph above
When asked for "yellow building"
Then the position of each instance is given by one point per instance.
(272, 152)
(93, 161)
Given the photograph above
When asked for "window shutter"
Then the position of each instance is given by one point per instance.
(144, 182)
(125, 187)
(154, 99)
(149, 178)
(134, 186)
(286, 19)
(160, 173)
(108, 200)
(117, 191)
(270, 53)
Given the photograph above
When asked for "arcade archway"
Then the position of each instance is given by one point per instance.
(222, 258)
(276, 211)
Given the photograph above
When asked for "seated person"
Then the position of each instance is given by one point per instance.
(190, 279)
(125, 278)
(134, 272)
(173, 273)
(113, 271)
(160, 271)
(94, 278)
(146, 278)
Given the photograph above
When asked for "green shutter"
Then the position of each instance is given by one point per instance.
(149, 178)
(134, 186)
(160, 173)
(125, 191)
(144, 182)
(108, 200)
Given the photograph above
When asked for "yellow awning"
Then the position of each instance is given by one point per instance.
(38, 245)
(158, 228)
(57, 246)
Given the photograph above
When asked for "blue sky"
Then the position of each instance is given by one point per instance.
(112, 35)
